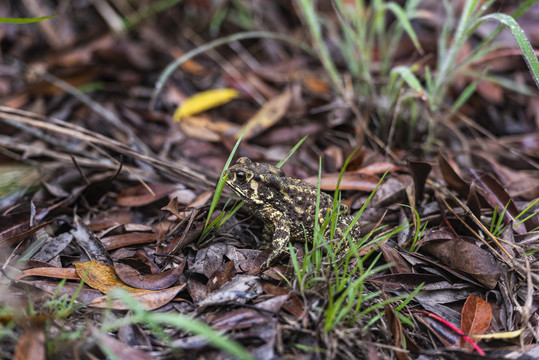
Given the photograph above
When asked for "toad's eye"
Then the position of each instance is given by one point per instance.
(241, 176)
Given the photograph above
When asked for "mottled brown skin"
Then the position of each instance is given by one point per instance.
(287, 206)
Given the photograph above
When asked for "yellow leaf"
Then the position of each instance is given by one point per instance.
(203, 101)
(101, 276)
(501, 335)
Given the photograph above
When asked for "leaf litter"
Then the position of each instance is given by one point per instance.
(118, 195)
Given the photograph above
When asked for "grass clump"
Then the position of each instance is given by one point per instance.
(410, 96)
(343, 277)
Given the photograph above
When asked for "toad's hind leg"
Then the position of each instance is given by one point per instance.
(281, 235)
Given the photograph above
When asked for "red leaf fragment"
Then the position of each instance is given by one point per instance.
(452, 327)
(475, 318)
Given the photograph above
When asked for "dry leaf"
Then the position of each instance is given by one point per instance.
(150, 300)
(159, 281)
(50, 272)
(267, 116)
(140, 195)
(467, 257)
(103, 278)
(349, 181)
(128, 239)
(475, 318)
(31, 344)
(203, 128)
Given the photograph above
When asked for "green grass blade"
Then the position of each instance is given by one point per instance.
(521, 39)
(465, 95)
(222, 178)
(308, 9)
(401, 15)
(147, 11)
(406, 73)
(25, 20)
(291, 152)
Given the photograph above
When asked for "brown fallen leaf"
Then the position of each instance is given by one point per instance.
(50, 272)
(293, 304)
(467, 257)
(77, 76)
(453, 179)
(420, 171)
(396, 330)
(107, 219)
(391, 255)
(239, 319)
(315, 85)
(31, 344)
(203, 128)
(140, 195)
(84, 295)
(220, 277)
(149, 299)
(496, 196)
(267, 116)
(13, 228)
(475, 318)
(133, 238)
(189, 65)
(349, 181)
(490, 91)
(379, 167)
(121, 350)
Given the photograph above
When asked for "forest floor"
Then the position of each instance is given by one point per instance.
(120, 239)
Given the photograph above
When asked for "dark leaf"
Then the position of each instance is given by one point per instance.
(129, 239)
(452, 179)
(420, 171)
(221, 276)
(496, 196)
(467, 257)
(137, 280)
